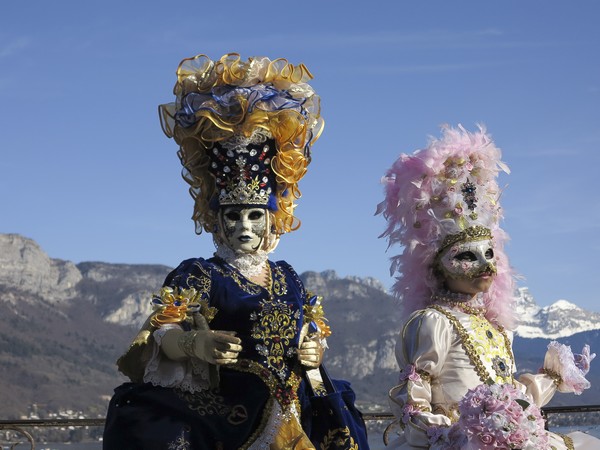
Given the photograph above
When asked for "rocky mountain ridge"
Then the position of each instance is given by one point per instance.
(63, 326)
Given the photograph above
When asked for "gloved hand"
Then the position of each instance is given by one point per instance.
(310, 352)
(583, 360)
(214, 347)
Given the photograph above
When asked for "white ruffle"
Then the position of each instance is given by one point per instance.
(249, 264)
(188, 375)
(560, 359)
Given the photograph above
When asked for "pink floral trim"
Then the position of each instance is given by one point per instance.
(409, 373)
(408, 411)
(435, 434)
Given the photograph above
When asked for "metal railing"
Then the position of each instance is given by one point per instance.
(19, 427)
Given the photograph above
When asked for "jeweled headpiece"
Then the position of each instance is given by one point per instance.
(245, 130)
(436, 197)
(242, 170)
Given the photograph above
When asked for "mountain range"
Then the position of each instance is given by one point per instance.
(63, 325)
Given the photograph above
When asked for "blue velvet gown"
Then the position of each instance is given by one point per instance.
(264, 383)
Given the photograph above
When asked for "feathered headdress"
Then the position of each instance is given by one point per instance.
(245, 129)
(440, 195)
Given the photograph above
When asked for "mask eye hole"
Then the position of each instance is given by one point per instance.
(466, 256)
(489, 254)
(232, 215)
(256, 215)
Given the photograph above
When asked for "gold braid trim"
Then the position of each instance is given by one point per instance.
(554, 375)
(426, 376)
(292, 384)
(567, 440)
(475, 233)
(467, 344)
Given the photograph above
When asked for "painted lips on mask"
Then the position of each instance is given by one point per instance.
(244, 228)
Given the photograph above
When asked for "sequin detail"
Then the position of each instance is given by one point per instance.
(481, 349)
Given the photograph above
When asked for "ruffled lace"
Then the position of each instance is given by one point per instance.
(188, 375)
(560, 361)
(249, 264)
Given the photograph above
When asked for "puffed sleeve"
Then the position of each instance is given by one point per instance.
(421, 352)
(560, 372)
(181, 304)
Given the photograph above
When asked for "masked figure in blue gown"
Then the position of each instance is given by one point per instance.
(218, 364)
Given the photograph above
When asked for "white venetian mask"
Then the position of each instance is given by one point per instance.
(468, 259)
(244, 228)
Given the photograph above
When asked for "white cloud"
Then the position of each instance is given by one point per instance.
(14, 46)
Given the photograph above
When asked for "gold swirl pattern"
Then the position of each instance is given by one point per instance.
(181, 443)
(205, 402)
(279, 285)
(235, 111)
(339, 438)
(276, 326)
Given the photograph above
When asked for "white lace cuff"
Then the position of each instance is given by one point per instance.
(559, 364)
(190, 374)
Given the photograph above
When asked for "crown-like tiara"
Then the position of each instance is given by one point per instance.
(241, 167)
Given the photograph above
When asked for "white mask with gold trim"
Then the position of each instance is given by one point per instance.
(468, 259)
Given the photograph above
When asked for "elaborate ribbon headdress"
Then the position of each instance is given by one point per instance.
(245, 129)
(438, 196)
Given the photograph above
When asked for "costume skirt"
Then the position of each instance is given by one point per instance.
(147, 417)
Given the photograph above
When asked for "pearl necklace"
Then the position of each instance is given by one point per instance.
(462, 302)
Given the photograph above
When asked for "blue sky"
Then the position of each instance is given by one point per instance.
(86, 171)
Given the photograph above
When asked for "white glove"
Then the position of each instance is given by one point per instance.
(583, 360)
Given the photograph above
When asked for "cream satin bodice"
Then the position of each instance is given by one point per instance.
(443, 352)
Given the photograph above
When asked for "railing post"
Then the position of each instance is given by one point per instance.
(20, 431)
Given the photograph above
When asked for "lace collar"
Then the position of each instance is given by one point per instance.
(248, 264)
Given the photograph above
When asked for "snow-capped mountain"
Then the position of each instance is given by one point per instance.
(561, 319)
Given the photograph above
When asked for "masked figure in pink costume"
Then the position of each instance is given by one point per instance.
(456, 288)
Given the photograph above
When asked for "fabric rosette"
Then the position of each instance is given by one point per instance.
(314, 315)
(176, 305)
